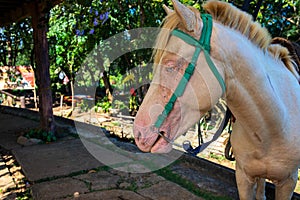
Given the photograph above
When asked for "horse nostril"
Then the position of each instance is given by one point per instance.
(139, 134)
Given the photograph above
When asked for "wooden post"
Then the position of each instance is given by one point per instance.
(40, 15)
(22, 100)
(61, 104)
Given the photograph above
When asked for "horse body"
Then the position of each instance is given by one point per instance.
(261, 92)
(265, 138)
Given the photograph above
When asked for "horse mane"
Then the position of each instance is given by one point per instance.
(225, 14)
(288, 52)
(234, 18)
(292, 47)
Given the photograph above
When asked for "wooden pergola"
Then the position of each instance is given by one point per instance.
(15, 10)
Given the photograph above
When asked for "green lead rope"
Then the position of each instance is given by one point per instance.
(202, 44)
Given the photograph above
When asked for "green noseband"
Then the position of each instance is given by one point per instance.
(202, 45)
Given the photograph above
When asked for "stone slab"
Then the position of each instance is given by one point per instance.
(207, 176)
(10, 127)
(166, 190)
(111, 195)
(58, 189)
(55, 159)
(100, 180)
(15, 123)
(6, 180)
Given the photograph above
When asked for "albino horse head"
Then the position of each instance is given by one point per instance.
(172, 57)
(261, 91)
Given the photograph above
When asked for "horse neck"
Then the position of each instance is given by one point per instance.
(250, 93)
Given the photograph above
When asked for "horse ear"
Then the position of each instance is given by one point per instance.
(188, 17)
(167, 9)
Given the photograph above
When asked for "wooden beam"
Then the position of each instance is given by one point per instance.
(15, 10)
(9, 94)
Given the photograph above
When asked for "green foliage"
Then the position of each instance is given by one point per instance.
(16, 43)
(76, 27)
(217, 157)
(73, 33)
(41, 134)
(26, 195)
(104, 104)
(117, 104)
(85, 105)
(133, 104)
(281, 18)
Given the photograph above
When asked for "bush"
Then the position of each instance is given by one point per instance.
(41, 134)
(104, 104)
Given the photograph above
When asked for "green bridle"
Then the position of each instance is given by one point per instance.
(202, 45)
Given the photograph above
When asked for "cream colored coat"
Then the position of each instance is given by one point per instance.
(261, 92)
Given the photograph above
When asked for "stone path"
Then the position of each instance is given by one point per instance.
(67, 170)
(6, 181)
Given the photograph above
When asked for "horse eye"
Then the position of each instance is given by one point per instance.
(170, 69)
(180, 63)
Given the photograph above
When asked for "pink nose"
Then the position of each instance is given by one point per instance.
(141, 140)
(144, 135)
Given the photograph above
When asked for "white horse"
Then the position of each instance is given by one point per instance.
(262, 93)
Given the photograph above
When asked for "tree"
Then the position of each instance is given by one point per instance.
(40, 17)
(16, 43)
(73, 26)
(280, 17)
(77, 27)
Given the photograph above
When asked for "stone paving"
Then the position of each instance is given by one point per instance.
(67, 169)
(6, 181)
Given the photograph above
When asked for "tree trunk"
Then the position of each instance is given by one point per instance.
(107, 85)
(9, 51)
(15, 54)
(71, 63)
(72, 93)
(142, 13)
(39, 23)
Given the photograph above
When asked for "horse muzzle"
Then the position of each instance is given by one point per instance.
(150, 140)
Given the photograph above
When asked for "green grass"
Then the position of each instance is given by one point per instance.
(217, 157)
(168, 174)
(24, 195)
